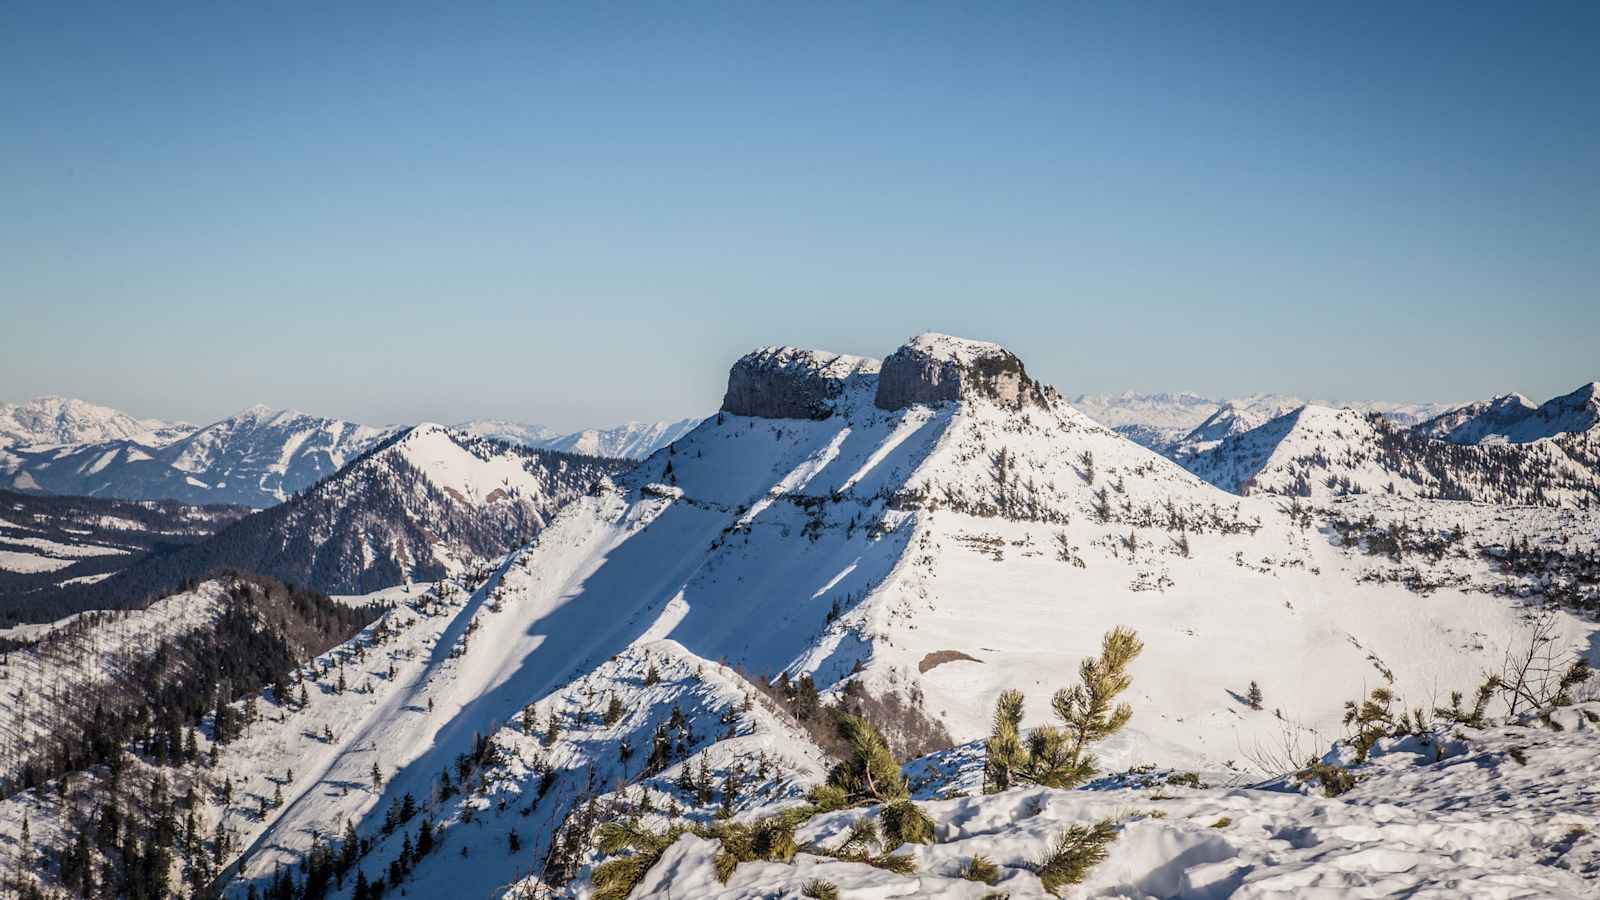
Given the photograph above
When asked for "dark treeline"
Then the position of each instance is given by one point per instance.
(127, 823)
(160, 693)
(139, 528)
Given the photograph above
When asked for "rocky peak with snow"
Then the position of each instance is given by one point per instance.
(934, 368)
(790, 382)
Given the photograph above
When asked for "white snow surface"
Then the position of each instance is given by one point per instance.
(855, 547)
(65, 420)
(1479, 823)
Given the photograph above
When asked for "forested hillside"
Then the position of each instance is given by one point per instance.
(49, 544)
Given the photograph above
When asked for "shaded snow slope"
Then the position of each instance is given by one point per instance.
(1513, 419)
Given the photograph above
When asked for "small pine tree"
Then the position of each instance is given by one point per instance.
(1254, 696)
(614, 711)
(377, 776)
(1055, 756)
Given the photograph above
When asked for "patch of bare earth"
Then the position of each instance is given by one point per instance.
(940, 657)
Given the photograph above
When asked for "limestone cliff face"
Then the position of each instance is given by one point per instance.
(936, 368)
(791, 383)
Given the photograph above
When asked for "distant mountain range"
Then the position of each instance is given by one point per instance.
(258, 457)
(1504, 451)
(63, 420)
(635, 440)
(1162, 420)
(422, 504)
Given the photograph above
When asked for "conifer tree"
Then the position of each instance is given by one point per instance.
(1254, 696)
(1058, 756)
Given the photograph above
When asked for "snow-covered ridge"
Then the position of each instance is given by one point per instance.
(258, 457)
(1513, 419)
(1316, 451)
(64, 420)
(1162, 421)
(426, 504)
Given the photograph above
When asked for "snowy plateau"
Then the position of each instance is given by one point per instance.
(630, 702)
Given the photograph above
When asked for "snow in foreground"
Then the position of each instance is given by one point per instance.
(1511, 811)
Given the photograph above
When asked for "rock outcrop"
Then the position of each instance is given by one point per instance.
(791, 383)
(935, 368)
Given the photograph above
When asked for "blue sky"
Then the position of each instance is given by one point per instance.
(581, 214)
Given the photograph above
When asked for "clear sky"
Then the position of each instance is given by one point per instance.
(581, 214)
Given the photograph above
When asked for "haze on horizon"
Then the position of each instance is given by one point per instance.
(576, 216)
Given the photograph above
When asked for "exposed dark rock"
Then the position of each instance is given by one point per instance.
(935, 368)
(790, 383)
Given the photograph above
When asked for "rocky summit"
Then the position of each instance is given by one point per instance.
(934, 368)
(791, 383)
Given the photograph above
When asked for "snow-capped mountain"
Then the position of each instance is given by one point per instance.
(1473, 422)
(425, 504)
(940, 527)
(635, 440)
(1315, 451)
(258, 457)
(1229, 419)
(509, 432)
(1154, 420)
(63, 420)
(1165, 422)
(1513, 419)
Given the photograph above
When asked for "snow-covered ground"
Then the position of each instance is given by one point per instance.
(946, 552)
(1510, 811)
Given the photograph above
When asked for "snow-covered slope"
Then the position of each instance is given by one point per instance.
(64, 420)
(1513, 419)
(1316, 451)
(1182, 424)
(1472, 423)
(256, 458)
(939, 526)
(1508, 810)
(1572, 413)
(427, 503)
(1229, 419)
